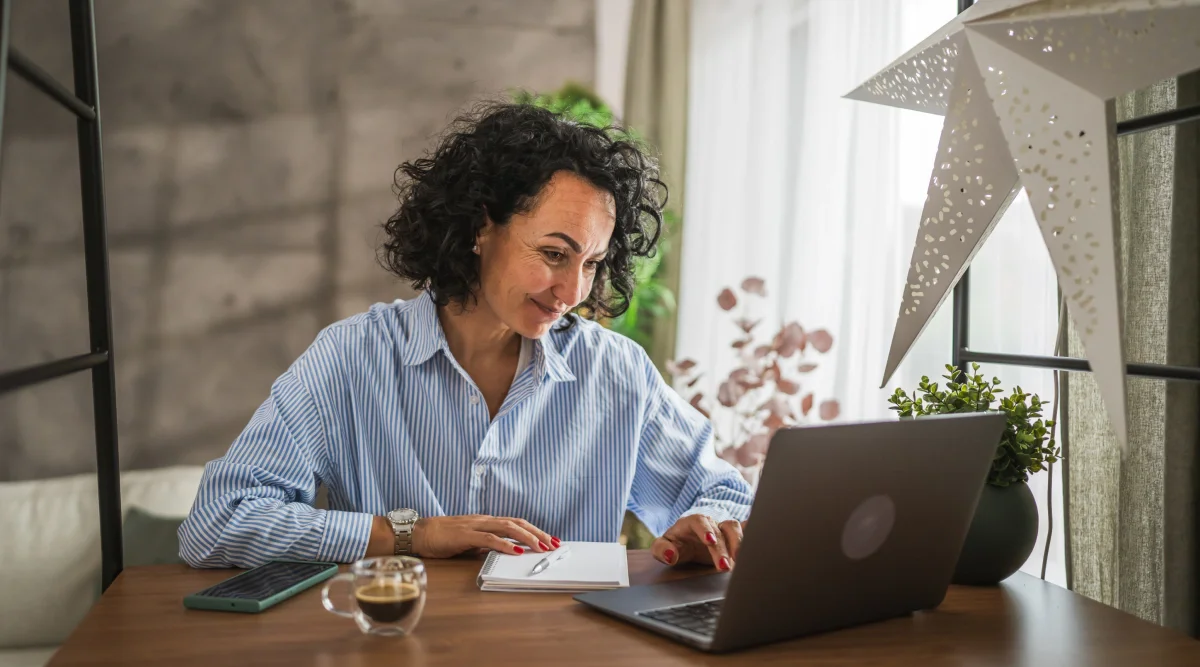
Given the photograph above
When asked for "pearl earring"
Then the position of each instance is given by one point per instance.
(475, 249)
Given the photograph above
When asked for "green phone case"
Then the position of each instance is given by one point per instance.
(197, 601)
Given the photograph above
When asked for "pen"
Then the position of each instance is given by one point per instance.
(560, 554)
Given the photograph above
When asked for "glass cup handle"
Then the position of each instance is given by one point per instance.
(328, 604)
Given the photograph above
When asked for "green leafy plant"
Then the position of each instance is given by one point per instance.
(651, 298)
(1023, 448)
(575, 101)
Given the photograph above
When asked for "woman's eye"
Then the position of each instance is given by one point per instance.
(554, 255)
(593, 266)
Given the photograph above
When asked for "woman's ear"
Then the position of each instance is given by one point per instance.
(484, 233)
(481, 237)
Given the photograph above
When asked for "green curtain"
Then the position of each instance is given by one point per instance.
(656, 98)
(1131, 520)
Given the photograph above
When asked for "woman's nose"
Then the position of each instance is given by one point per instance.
(572, 290)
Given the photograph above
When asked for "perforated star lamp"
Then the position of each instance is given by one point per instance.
(1026, 89)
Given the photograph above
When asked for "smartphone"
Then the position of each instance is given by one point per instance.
(258, 588)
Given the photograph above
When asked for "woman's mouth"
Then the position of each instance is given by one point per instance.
(548, 312)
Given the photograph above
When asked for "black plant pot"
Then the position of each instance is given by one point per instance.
(1001, 535)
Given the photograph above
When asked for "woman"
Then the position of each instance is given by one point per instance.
(483, 413)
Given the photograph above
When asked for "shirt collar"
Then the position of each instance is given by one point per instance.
(552, 365)
(426, 337)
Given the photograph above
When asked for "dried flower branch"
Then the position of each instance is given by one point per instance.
(763, 393)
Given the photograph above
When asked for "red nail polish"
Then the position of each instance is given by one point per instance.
(543, 546)
(712, 539)
(555, 541)
(518, 550)
(669, 555)
(724, 564)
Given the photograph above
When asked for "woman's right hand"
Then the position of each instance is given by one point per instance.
(446, 536)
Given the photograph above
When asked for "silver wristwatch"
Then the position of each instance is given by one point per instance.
(402, 521)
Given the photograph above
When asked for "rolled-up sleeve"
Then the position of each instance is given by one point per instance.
(678, 472)
(256, 502)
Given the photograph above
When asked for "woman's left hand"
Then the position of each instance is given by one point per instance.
(699, 539)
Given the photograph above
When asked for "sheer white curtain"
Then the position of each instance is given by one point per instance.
(821, 197)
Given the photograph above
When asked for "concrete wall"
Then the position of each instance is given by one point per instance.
(249, 148)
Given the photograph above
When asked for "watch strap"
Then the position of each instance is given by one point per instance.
(403, 535)
(403, 540)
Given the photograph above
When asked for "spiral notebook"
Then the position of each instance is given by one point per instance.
(591, 566)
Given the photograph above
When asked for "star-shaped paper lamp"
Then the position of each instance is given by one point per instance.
(1026, 88)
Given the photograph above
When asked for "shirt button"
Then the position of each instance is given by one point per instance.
(479, 470)
(474, 399)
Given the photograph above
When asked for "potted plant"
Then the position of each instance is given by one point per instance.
(1005, 526)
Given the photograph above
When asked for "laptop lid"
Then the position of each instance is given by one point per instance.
(854, 523)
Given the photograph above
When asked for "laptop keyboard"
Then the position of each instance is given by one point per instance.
(699, 617)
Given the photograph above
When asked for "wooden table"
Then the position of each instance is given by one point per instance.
(141, 621)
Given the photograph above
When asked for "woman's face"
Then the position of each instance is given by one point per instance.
(542, 263)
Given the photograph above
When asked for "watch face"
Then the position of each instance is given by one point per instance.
(403, 516)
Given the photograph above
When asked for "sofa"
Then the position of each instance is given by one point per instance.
(50, 550)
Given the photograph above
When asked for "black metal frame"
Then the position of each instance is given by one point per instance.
(961, 356)
(85, 104)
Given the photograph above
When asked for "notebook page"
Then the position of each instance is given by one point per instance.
(599, 563)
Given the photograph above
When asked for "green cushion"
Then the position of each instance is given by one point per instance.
(150, 539)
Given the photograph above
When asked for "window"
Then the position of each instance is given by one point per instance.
(821, 197)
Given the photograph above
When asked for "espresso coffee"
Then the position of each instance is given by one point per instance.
(387, 601)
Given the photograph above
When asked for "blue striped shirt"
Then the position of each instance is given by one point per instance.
(378, 411)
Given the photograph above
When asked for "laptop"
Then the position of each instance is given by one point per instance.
(851, 523)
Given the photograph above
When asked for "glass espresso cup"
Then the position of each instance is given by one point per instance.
(386, 595)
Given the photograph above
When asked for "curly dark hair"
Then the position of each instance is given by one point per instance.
(494, 161)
